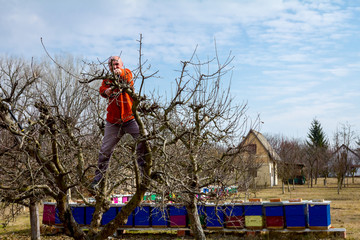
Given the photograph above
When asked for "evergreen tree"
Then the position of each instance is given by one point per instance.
(317, 136)
(317, 145)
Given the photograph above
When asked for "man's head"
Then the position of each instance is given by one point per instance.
(115, 62)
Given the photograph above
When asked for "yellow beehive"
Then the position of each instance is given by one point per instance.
(254, 222)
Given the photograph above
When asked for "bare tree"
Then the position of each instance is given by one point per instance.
(202, 136)
(291, 152)
(343, 157)
(46, 157)
(16, 167)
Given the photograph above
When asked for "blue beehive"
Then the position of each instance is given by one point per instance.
(159, 217)
(319, 215)
(201, 213)
(142, 216)
(109, 215)
(57, 219)
(130, 220)
(89, 211)
(295, 215)
(214, 216)
(205, 190)
(78, 213)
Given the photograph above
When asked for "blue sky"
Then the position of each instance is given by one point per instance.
(294, 60)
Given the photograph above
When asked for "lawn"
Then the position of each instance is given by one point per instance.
(345, 208)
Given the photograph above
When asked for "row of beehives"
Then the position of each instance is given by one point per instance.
(152, 197)
(251, 215)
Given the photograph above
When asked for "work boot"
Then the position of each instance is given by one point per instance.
(94, 187)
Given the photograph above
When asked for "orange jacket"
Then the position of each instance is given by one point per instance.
(120, 103)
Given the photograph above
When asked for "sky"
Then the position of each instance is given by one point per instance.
(294, 60)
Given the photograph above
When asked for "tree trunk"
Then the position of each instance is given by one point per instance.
(288, 185)
(316, 171)
(196, 227)
(283, 187)
(34, 219)
(71, 228)
(125, 211)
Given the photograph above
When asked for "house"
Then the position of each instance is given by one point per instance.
(266, 157)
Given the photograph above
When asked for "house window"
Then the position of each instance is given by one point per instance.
(251, 148)
(253, 172)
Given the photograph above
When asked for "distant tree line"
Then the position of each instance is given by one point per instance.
(317, 156)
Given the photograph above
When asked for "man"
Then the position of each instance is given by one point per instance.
(119, 119)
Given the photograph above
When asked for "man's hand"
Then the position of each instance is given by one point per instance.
(117, 71)
(108, 92)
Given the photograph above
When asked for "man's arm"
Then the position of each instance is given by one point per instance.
(125, 75)
(105, 89)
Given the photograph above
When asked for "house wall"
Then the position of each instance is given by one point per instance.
(267, 173)
(263, 176)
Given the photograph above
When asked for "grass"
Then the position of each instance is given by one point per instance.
(345, 208)
(22, 224)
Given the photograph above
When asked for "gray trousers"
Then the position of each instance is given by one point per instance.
(112, 135)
